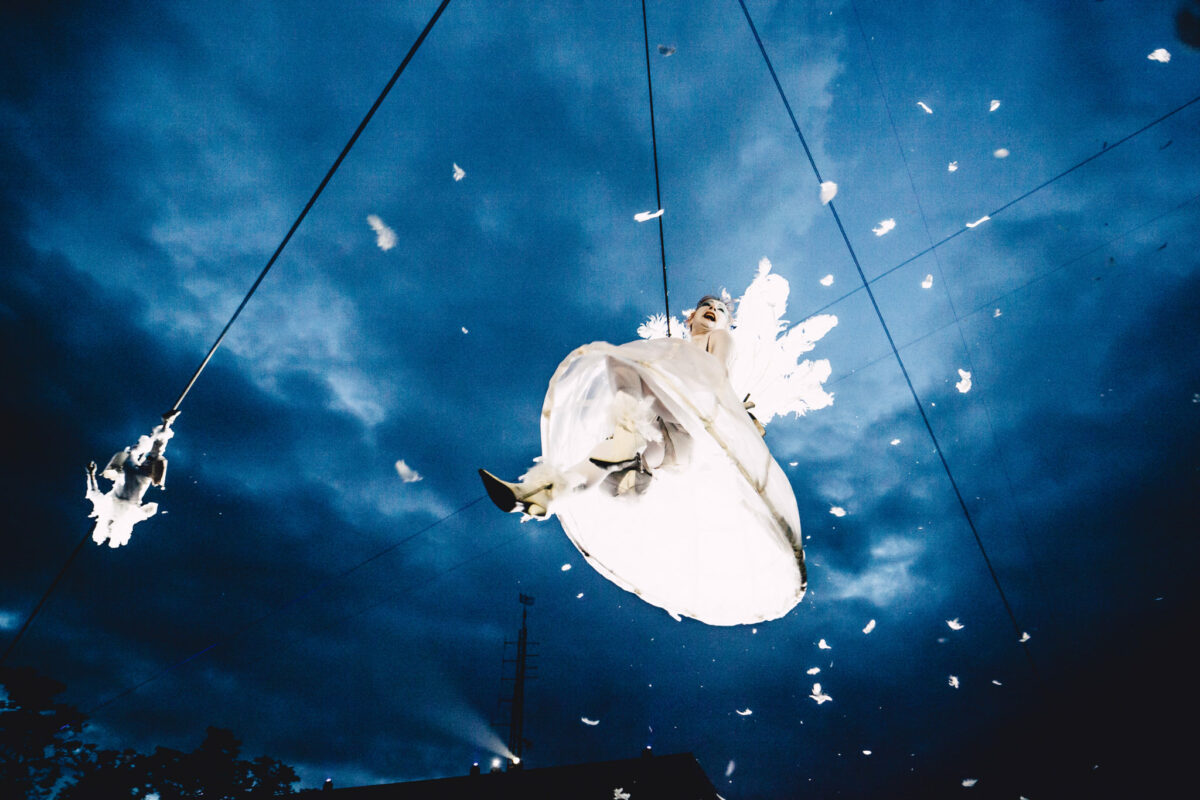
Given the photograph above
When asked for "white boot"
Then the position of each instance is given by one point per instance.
(619, 448)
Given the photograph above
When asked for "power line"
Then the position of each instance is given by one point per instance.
(1009, 204)
(991, 303)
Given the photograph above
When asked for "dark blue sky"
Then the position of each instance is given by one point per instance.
(152, 156)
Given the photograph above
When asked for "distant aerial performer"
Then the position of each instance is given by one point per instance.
(658, 472)
(132, 472)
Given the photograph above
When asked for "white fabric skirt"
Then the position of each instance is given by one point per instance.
(714, 537)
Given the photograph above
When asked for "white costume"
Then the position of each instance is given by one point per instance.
(132, 472)
(714, 534)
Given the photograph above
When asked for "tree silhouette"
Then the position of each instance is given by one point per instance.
(42, 756)
(39, 737)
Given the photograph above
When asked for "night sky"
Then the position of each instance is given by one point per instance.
(295, 588)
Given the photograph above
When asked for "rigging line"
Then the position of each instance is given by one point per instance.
(662, 247)
(1035, 279)
(328, 175)
(945, 287)
(887, 332)
(289, 603)
(54, 583)
(1010, 203)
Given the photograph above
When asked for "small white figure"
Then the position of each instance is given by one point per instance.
(132, 472)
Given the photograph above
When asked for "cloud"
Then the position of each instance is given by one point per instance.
(887, 579)
(385, 237)
(407, 473)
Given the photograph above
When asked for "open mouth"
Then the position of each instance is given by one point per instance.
(710, 315)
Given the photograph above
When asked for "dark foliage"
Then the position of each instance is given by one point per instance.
(41, 751)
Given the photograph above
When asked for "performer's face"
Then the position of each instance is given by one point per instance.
(710, 315)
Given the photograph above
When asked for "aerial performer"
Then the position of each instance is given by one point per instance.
(659, 473)
(132, 472)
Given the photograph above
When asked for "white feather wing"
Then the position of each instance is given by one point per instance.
(766, 359)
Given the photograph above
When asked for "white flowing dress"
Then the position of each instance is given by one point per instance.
(715, 537)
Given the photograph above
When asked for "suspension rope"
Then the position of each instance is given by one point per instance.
(662, 247)
(328, 175)
(270, 262)
(895, 351)
(288, 604)
(945, 288)
(1010, 203)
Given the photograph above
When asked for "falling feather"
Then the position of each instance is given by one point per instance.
(744, 712)
(819, 695)
(952, 166)
(407, 473)
(964, 384)
(954, 624)
(828, 191)
(1160, 55)
(969, 782)
(954, 681)
(926, 108)
(1000, 152)
(823, 645)
(459, 174)
(827, 280)
(837, 511)
(592, 722)
(385, 237)
(883, 227)
(979, 221)
(927, 283)
(646, 216)
(870, 627)
(994, 105)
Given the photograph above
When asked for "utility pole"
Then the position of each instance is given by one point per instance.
(522, 671)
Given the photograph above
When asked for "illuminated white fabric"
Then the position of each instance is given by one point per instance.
(716, 538)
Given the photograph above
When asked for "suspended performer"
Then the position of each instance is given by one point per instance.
(132, 472)
(657, 471)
